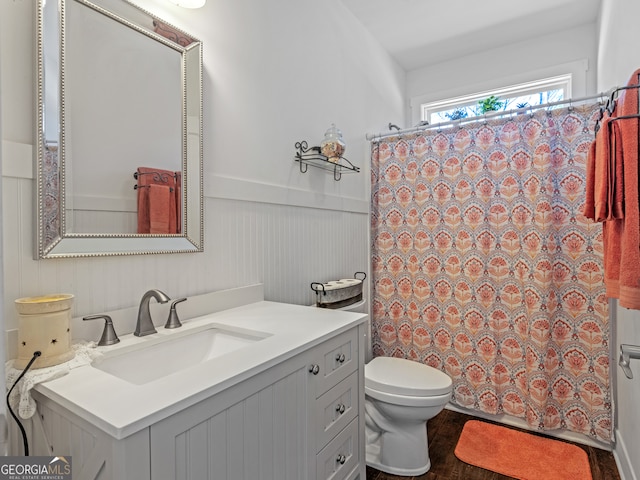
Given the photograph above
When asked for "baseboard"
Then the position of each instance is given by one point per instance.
(623, 459)
(520, 423)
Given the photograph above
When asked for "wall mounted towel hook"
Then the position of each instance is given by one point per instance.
(628, 352)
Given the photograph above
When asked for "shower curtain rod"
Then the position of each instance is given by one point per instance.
(486, 116)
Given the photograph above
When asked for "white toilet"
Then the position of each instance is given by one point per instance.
(400, 396)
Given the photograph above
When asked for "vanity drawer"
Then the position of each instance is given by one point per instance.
(335, 361)
(335, 409)
(341, 456)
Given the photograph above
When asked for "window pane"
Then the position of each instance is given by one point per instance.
(509, 98)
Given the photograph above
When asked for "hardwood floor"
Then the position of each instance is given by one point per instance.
(444, 431)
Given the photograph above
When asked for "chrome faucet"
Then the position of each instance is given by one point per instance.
(145, 324)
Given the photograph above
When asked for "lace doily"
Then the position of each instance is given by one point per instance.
(21, 399)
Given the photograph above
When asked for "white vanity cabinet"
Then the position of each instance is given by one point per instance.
(298, 420)
(302, 418)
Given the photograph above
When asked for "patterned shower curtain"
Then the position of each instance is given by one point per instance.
(484, 266)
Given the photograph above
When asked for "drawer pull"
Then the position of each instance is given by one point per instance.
(314, 369)
(341, 459)
(340, 408)
(340, 357)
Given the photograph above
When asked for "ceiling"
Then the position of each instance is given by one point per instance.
(422, 32)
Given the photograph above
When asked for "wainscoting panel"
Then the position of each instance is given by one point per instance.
(284, 247)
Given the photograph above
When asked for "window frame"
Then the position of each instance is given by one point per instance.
(528, 88)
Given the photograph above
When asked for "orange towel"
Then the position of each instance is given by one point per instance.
(160, 200)
(604, 174)
(154, 176)
(589, 209)
(603, 160)
(615, 197)
(143, 209)
(622, 236)
(178, 202)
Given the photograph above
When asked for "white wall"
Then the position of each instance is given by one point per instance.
(274, 73)
(3, 417)
(618, 58)
(571, 51)
(264, 88)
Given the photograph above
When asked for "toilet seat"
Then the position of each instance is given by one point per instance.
(398, 377)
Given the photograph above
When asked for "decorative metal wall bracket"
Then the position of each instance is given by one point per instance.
(307, 155)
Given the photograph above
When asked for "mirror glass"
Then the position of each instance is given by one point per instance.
(119, 163)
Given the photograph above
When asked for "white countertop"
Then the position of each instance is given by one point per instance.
(121, 408)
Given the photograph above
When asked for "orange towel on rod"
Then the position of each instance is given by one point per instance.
(589, 209)
(160, 200)
(604, 199)
(178, 202)
(143, 209)
(146, 178)
(615, 198)
(622, 236)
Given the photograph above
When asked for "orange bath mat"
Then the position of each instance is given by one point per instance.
(520, 455)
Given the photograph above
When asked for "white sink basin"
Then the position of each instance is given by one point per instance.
(165, 356)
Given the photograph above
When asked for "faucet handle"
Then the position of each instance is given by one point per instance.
(109, 336)
(173, 321)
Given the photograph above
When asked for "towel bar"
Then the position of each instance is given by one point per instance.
(627, 352)
(157, 176)
(136, 186)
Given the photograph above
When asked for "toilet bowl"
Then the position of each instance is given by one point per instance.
(400, 396)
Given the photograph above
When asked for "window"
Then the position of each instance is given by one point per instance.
(509, 98)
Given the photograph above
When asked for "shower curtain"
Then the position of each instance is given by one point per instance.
(484, 266)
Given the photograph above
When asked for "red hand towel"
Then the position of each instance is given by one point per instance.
(604, 192)
(603, 159)
(160, 200)
(589, 209)
(615, 199)
(155, 176)
(622, 236)
(143, 209)
(178, 202)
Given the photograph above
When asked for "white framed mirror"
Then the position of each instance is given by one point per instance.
(119, 137)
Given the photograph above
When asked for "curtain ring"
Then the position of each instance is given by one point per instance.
(602, 98)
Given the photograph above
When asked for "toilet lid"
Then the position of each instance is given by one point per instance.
(405, 377)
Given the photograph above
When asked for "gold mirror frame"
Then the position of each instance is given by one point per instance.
(52, 239)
